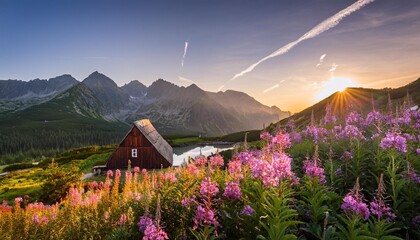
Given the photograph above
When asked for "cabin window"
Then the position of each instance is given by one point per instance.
(134, 153)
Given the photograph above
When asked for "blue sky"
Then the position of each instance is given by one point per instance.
(375, 46)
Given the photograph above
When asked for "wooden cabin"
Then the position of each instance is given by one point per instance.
(144, 147)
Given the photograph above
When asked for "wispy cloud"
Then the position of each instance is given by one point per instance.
(220, 88)
(185, 54)
(273, 87)
(321, 59)
(318, 29)
(186, 80)
(333, 67)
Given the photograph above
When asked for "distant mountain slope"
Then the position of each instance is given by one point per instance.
(13, 89)
(190, 110)
(71, 119)
(134, 89)
(249, 110)
(107, 91)
(360, 99)
(180, 110)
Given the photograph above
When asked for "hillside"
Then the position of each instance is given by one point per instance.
(71, 119)
(360, 99)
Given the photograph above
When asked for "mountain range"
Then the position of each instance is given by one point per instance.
(67, 104)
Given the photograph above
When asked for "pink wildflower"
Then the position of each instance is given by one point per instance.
(204, 216)
(232, 191)
(153, 233)
(354, 202)
(217, 161)
(192, 169)
(208, 188)
(394, 140)
(123, 219)
(248, 210)
(234, 169)
(200, 161)
(187, 201)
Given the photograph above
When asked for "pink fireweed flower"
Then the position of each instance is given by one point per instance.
(93, 185)
(208, 188)
(245, 157)
(381, 209)
(271, 173)
(168, 177)
(354, 202)
(117, 173)
(416, 221)
(378, 207)
(316, 172)
(39, 219)
(123, 219)
(394, 140)
(217, 161)
(4, 207)
(281, 141)
(295, 136)
(352, 205)
(411, 174)
(144, 222)
(109, 173)
(186, 202)
(346, 156)
(200, 161)
(248, 210)
(153, 233)
(312, 169)
(235, 169)
(352, 132)
(75, 196)
(18, 200)
(192, 169)
(137, 170)
(204, 216)
(266, 136)
(232, 191)
(329, 117)
(373, 118)
(318, 134)
(144, 171)
(354, 118)
(128, 176)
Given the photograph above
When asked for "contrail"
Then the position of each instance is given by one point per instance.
(185, 53)
(271, 88)
(186, 80)
(318, 29)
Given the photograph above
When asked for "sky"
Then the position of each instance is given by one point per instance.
(212, 42)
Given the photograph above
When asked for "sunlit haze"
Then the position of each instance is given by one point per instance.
(285, 53)
(332, 85)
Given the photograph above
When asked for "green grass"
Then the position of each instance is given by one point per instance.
(29, 181)
(20, 183)
(87, 164)
(185, 140)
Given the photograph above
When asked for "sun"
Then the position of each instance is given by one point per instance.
(333, 85)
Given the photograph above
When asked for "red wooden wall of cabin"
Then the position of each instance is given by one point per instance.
(147, 156)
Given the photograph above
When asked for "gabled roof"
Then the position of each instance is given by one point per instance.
(163, 147)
